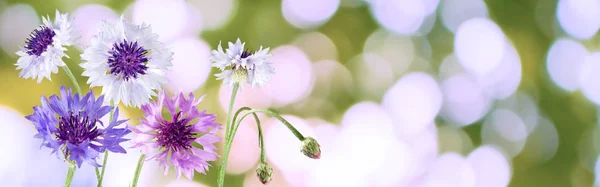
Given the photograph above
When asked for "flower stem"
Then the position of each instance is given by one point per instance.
(70, 75)
(103, 168)
(261, 142)
(228, 126)
(138, 170)
(231, 102)
(70, 174)
(97, 173)
(229, 142)
(101, 176)
(275, 115)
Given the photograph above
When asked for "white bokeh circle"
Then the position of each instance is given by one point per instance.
(464, 100)
(589, 76)
(191, 65)
(492, 168)
(413, 102)
(563, 63)
(579, 18)
(479, 45)
(16, 23)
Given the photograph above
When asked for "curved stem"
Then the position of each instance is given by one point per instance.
(228, 126)
(261, 142)
(70, 174)
(138, 170)
(275, 115)
(229, 143)
(70, 75)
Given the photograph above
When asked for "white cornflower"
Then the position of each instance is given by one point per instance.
(44, 50)
(127, 61)
(242, 66)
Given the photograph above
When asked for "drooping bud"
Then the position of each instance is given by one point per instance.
(264, 171)
(311, 148)
(239, 75)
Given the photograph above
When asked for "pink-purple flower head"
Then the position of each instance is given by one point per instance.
(184, 139)
(70, 124)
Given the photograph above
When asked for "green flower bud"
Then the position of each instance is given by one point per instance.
(311, 148)
(264, 171)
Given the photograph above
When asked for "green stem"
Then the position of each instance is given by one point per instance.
(138, 170)
(231, 102)
(229, 142)
(261, 142)
(260, 134)
(228, 126)
(101, 176)
(103, 168)
(70, 174)
(275, 115)
(70, 75)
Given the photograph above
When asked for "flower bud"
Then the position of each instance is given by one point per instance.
(311, 148)
(264, 171)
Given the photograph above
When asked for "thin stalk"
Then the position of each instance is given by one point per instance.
(229, 142)
(261, 141)
(228, 126)
(231, 102)
(101, 176)
(73, 79)
(103, 168)
(138, 170)
(277, 116)
(260, 134)
(70, 174)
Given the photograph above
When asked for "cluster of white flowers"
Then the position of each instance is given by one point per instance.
(128, 61)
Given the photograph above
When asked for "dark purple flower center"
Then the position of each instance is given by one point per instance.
(39, 41)
(77, 128)
(127, 60)
(176, 135)
(246, 54)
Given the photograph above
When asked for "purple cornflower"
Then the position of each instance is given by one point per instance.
(185, 139)
(69, 124)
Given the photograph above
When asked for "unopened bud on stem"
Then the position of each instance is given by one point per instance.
(264, 171)
(311, 148)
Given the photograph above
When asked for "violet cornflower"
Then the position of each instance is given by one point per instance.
(183, 138)
(70, 125)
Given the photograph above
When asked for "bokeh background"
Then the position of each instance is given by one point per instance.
(458, 93)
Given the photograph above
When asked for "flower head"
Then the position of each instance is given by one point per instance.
(127, 61)
(185, 139)
(264, 172)
(242, 66)
(311, 148)
(44, 50)
(71, 124)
